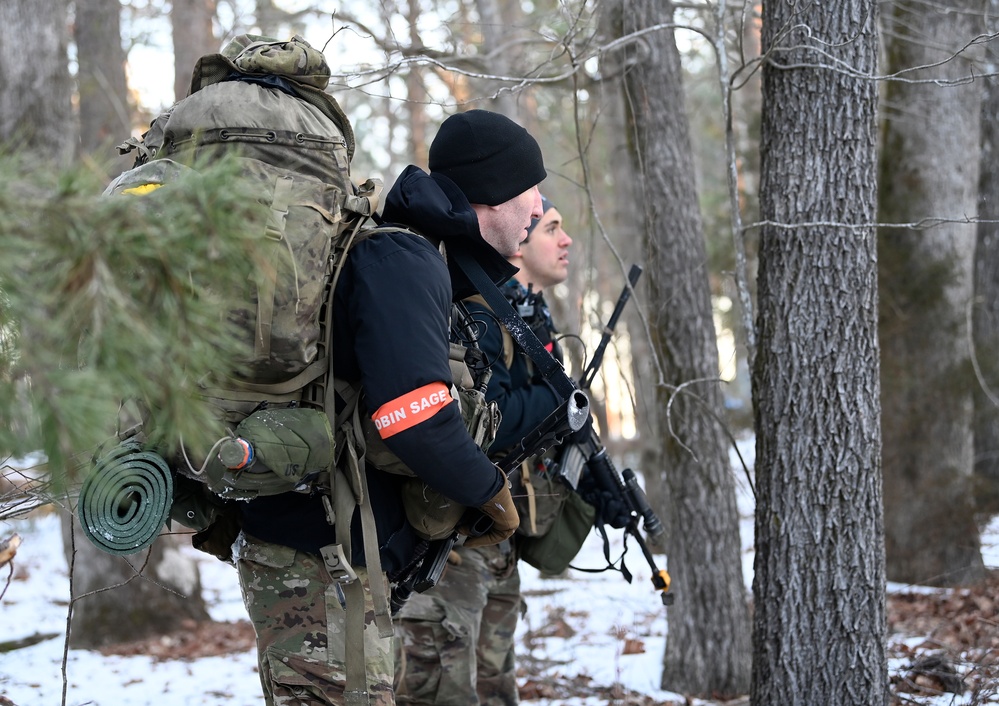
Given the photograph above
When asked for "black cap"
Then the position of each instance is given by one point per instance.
(546, 205)
(491, 158)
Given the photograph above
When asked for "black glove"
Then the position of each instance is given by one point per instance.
(611, 509)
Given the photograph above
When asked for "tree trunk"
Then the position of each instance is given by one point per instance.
(416, 93)
(985, 316)
(615, 131)
(707, 649)
(193, 37)
(495, 31)
(153, 592)
(105, 115)
(819, 624)
(36, 113)
(929, 169)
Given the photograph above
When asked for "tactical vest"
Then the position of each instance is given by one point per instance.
(537, 494)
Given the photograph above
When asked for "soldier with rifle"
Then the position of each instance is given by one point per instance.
(457, 638)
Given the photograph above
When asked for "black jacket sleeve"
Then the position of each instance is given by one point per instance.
(398, 305)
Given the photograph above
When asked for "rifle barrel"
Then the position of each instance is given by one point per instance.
(639, 501)
(598, 355)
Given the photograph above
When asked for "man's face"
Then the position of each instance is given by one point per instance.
(544, 259)
(505, 226)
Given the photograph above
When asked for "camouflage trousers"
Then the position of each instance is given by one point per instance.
(296, 611)
(455, 641)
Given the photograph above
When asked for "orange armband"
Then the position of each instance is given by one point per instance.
(410, 409)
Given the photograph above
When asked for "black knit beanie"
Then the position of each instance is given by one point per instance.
(490, 157)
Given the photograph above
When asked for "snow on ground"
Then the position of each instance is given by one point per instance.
(613, 632)
(36, 603)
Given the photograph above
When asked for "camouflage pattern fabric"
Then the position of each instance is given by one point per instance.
(455, 641)
(300, 623)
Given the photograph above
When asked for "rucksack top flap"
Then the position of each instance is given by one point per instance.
(295, 60)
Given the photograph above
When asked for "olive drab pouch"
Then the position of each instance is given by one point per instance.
(538, 496)
(272, 451)
(553, 552)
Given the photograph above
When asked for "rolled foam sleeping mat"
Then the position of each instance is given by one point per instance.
(125, 500)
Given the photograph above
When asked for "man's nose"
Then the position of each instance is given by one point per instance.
(538, 210)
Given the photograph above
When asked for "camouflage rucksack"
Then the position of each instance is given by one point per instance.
(263, 100)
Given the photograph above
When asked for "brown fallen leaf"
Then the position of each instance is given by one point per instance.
(8, 548)
(633, 647)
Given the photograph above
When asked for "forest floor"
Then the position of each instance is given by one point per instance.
(947, 641)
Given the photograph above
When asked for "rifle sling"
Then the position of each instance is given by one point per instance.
(546, 364)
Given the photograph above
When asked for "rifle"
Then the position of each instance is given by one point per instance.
(622, 486)
(426, 569)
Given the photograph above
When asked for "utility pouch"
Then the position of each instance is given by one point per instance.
(273, 451)
(482, 419)
(538, 496)
(431, 514)
(553, 552)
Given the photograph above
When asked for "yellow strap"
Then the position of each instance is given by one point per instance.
(141, 190)
(532, 495)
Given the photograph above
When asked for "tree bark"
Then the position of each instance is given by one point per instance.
(493, 18)
(617, 141)
(105, 113)
(929, 169)
(193, 37)
(36, 113)
(819, 623)
(416, 94)
(707, 649)
(985, 312)
(126, 598)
